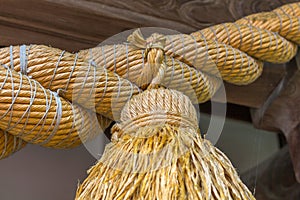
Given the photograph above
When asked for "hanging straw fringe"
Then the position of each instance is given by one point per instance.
(157, 153)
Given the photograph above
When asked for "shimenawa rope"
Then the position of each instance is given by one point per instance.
(38, 84)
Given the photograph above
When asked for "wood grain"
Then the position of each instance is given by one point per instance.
(79, 24)
(258, 92)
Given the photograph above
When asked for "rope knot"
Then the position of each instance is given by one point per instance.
(155, 41)
(153, 53)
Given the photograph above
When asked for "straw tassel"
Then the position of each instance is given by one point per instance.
(157, 153)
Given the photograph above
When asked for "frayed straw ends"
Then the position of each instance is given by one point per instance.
(162, 161)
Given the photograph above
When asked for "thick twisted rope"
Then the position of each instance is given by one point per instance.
(105, 78)
(9, 144)
(40, 116)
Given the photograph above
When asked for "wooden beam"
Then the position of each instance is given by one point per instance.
(79, 24)
(257, 93)
(57, 25)
(274, 178)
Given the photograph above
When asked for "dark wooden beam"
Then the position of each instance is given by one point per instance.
(257, 93)
(65, 26)
(80, 24)
(274, 178)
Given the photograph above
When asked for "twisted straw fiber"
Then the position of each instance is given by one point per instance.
(183, 54)
(292, 9)
(283, 22)
(77, 78)
(39, 116)
(132, 66)
(9, 144)
(259, 43)
(235, 66)
(42, 65)
(166, 158)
